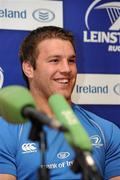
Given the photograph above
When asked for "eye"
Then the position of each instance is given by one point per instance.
(71, 61)
(55, 60)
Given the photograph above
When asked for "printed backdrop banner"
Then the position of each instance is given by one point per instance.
(29, 15)
(97, 89)
(96, 26)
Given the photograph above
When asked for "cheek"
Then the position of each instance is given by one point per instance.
(40, 71)
(74, 71)
(43, 76)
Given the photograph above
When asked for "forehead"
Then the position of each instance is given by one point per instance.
(55, 44)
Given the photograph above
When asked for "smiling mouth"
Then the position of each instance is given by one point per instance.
(62, 81)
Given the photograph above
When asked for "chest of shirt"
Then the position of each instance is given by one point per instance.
(59, 155)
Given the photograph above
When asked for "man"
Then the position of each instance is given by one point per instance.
(48, 61)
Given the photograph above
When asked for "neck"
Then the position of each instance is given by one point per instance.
(42, 104)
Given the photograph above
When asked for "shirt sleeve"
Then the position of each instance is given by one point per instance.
(7, 148)
(112, 161)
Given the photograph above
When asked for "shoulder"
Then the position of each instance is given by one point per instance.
(108, 130)
(8, 128)
(92, 117)
(10, 134)
(104, 136)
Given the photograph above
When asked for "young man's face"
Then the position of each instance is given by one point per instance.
(55, 68)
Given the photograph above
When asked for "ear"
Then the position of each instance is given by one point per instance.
(27, 69)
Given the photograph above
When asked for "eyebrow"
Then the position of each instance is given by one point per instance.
(58, 56)
(73, 56)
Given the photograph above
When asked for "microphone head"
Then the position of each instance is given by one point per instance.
(77, 136)
(12, 101)
(62, 110)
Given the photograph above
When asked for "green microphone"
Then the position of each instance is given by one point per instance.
(18, 106)
(77, 136)
(13, 99)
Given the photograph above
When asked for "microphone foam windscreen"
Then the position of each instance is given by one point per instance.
(12, 101)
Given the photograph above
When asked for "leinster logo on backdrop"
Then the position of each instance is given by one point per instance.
(105, 28)
(1, 77)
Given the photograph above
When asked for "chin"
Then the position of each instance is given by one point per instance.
(66, 95)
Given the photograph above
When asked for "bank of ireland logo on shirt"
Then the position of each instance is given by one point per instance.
(108, 29)
(63, 155)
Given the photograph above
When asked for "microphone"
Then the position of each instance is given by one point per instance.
(17, 106)
(76, 136)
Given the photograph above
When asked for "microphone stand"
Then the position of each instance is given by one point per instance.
(38, 134)
(85, 164)
(83, 161)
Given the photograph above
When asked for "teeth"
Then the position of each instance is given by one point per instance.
(64, 81)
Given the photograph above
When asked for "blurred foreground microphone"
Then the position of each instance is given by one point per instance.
(76, 136)
(17, 106)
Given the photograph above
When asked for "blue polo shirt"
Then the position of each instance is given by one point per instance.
(21, 157)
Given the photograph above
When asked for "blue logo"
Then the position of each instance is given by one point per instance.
(43, 15)
(113, 13)
(96, 141)
(107, 31)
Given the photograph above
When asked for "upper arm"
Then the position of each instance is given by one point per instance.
(7, 177)
(7, 150)
(112, 164)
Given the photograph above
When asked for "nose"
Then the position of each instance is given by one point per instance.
(65, 67)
